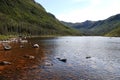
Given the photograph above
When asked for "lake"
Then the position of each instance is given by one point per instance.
(87, 58)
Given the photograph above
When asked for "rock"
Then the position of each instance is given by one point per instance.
(88, 57)
(63, 60)
(6, 46)
(29, 57)
(5, 63)
(36, 46)
(19, 40)
(24, 41)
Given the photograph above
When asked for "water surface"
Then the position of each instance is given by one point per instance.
(103, 64)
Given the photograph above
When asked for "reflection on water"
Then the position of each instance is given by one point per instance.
(103, 64)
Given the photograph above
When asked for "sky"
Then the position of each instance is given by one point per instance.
(81, 10)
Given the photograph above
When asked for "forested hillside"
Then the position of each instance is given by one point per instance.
(29, 18)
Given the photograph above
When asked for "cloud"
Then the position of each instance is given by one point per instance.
(78, 0)
(97, 10)
(81, 10)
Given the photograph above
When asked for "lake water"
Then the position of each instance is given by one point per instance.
(103, 62)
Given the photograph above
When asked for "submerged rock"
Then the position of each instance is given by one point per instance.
(29, 57)
(21, 46)
(48, 64)
(5, 63)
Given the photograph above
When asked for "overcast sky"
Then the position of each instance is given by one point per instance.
(81, 10)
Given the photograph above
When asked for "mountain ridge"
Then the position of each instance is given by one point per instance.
(99, 28)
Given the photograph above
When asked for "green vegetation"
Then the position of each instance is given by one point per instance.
(6, 37)
(115, 32)
(26, 17)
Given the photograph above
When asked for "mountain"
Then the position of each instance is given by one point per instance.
(29, 18)
(82, 27)
(98, 28)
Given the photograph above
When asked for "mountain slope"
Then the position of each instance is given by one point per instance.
(106, 25)
(115, 32)
(98, 28)
(29, 18)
